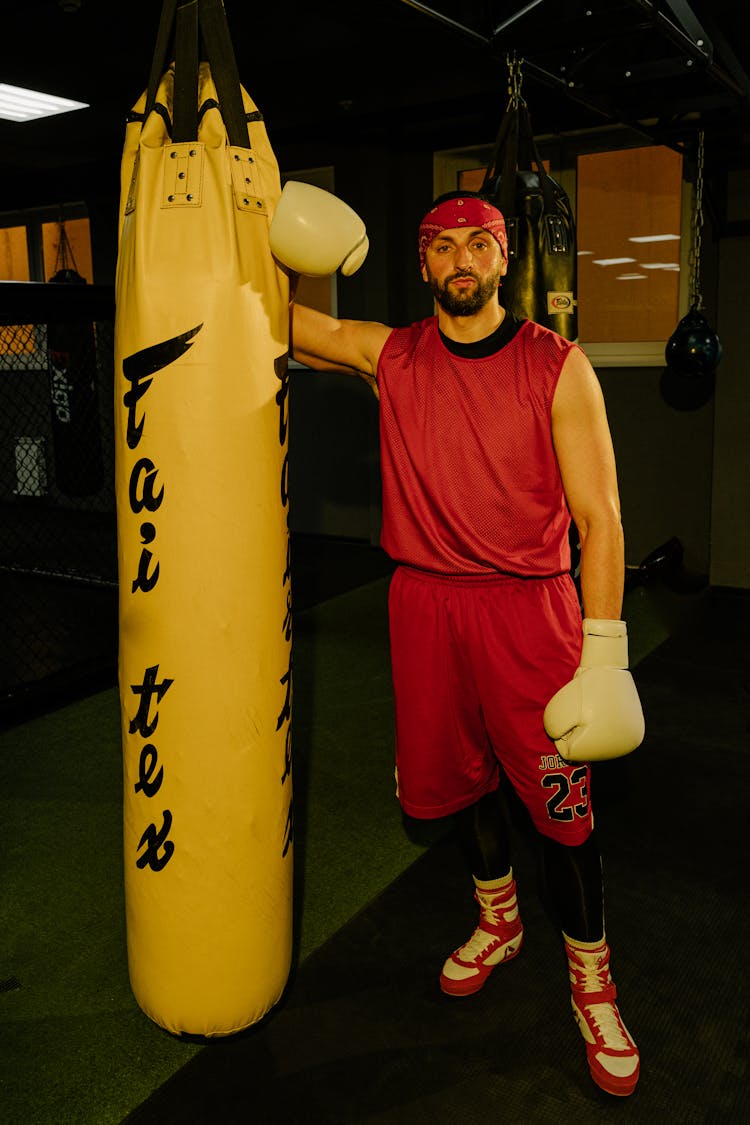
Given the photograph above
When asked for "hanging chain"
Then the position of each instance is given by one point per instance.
(694, 256)
(515, 81)
(64, 258)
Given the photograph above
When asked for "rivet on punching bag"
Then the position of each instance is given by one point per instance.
(693, 348)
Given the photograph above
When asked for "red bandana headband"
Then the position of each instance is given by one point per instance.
(463, 211)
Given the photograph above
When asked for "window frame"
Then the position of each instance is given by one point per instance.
(447, 163)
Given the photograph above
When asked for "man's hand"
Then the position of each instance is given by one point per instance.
(598, 714)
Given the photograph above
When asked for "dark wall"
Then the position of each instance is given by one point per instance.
(664, 463)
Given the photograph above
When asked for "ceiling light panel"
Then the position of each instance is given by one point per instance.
(18, 104)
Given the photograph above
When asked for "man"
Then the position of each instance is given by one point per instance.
(493, 433)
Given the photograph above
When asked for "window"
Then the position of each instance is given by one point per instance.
(629, 245)
(14, 254)
(33, 245)
(73, 248)
(632, 220)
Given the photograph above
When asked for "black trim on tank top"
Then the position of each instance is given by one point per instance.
(480, 349)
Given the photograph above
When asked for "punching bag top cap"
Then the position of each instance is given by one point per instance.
(463, 211)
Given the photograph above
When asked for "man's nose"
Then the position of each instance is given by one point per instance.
(464, 257)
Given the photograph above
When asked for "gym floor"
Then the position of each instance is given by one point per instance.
(363, 1033)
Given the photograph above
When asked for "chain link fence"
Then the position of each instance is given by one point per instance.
(58, 540)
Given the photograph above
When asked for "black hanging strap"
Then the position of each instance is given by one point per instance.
(159, 60)
(192, 25)
(185, 100)
(530, 159)
(220, 51)
(500, 176)
(515, 149)
(541, 279)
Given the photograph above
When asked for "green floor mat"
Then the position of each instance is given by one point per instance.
(74, 1047)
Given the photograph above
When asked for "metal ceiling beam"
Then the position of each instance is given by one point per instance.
(726, 53)
(695, 50)
(447, 21)
(684, 13)
(516, 16)
(608, 112)
(611, 113)
(682, 40)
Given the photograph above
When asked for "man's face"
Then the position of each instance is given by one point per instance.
(463, 268)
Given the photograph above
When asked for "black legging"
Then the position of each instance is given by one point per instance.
(572, 874)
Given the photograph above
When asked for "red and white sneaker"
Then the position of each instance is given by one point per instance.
(612, 1055)
(497, 938)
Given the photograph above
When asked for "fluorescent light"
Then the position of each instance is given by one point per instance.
(630, 277)
(17, 104)
(612, 261)
(655, 238)
(660, 266)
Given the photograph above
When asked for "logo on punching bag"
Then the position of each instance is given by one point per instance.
(155, 847)
(559, 302)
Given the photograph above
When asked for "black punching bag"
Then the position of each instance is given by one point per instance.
(542, 278)
(693, 348)
(76, 431)
(693, 351)
(692, 354)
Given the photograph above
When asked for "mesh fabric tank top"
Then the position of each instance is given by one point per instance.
(471, 484)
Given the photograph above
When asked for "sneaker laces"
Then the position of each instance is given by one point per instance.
(494, 911)
(491, 913)
(588, 977)
(494, 908)
(477, 944)
(607, 1024)
(591, 980)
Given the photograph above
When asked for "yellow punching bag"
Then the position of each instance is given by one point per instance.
(201, 417)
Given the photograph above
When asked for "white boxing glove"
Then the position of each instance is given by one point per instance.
(598, 714)
(315, 233)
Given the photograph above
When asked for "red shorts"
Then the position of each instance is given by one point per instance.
(475, 661)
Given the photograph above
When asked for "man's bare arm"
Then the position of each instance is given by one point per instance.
(587, 465)
(322, 341)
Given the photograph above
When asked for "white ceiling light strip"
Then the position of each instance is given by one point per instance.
(18, 104)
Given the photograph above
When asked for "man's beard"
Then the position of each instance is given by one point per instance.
(464, 302)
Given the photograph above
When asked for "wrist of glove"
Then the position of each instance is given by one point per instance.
(598, 714)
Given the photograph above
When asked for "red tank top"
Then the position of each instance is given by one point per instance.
(471, 484)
